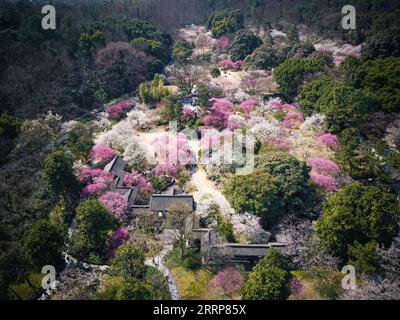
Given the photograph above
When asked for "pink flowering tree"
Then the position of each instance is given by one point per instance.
(280, 143)
(338, 59)
(95, 189)
(323, 173)
(222, 44)
(236, 122)
(136, 179)
(117, 239)
(220, 111)
(116, 204)
(326, 182)
(329, 139)
(90, 175)
(116, 111)
(296, 287)
(168, 170)
(172, 149)
(323, 166)
(229, 280)
(100, 155)
(251, 86)
(189, 113)
(97, 181)
(228, 64)
(293, 119)
(248, 105)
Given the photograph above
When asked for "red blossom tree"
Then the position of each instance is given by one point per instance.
(230, 280)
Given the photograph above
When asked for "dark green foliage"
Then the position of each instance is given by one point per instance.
(44, 243)
(215, 73)
(378, 79)
(364, 257)
(80, 140)
(292, 34)
(256, 193)
(182, 50)
(264, 57)
(290, 75)
(269, 279)
(89, 43)
(243, 45)
(294, 188)
(191, 260)
(394, 159)
(160, 184)
(9, 126)
(58, 173)
(94, 228)
(225, 228)
(358, 213)
(383, 44)
(311, 92)
(225, 21)
(129, 261)
(206, 93)
(344, 107)
(171, 109)
(14, 264)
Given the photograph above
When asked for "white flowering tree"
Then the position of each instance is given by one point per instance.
(247, 229)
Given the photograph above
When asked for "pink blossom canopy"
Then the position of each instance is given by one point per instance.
(102, 154)
(116, 203)
(117, 110)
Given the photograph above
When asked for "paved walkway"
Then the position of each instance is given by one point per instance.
(158, 262)
(205, 187)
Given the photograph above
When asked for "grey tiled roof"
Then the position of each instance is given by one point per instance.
(116, 166)
(130, 193)
(163, 203)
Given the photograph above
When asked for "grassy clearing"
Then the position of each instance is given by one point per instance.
(25, 291)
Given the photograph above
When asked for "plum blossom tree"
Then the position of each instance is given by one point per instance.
(384, 285)
(172, 149)
(296, 287)
(236, 122)
(168, 170)
(189, 113)
(323, 172)
(229, 280)
(117, 110)
(392, 137)
(222, 44)
(117, 239)
(102, 154)
(220, 111)
(314, 123)
(97, 180)
(293, 119)
(90, 175)
(248, 105)
(228, 64)
(267, 129)
(139, 119)
(324, 181)
(247, 228)
(116, 204)
(136, 179)
(136, 155)
(323, 166)
(251, 86)
(329, 139)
